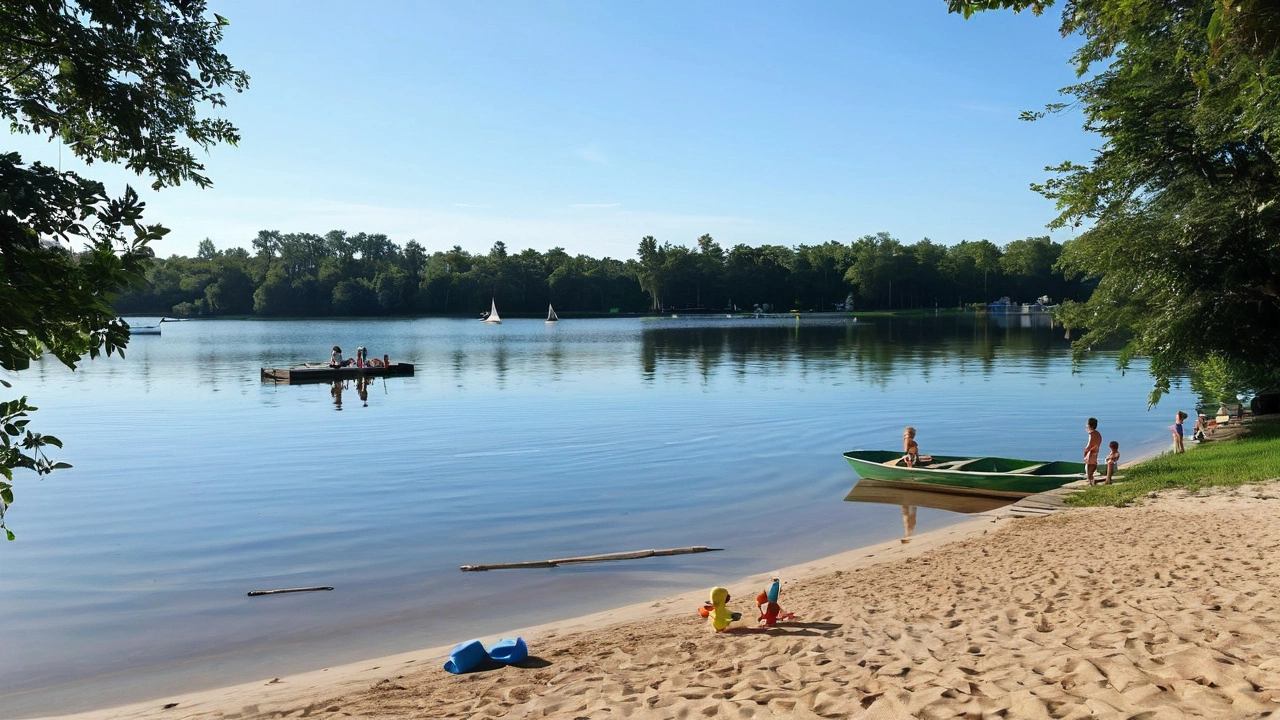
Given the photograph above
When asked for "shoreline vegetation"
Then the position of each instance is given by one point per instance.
(1159, 605)
(595, 315)
(367, 274)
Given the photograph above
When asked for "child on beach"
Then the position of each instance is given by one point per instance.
(1091, 449)
(1113, 460)
(1177, 433)
(910, 447)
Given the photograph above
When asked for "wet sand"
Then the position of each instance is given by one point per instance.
(1164, 610)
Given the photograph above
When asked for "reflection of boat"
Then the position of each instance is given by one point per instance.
(322, 372)
(991, 476)
(551, 314)
(492, 317)
(910, 494)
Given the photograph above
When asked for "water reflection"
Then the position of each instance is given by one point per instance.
(361, 385)
(908, 522)
(910, 496)
(871, 351)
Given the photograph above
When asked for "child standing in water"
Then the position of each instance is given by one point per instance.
(1177, 433)
(1113, 460)
(910, 447)
(1091, 449)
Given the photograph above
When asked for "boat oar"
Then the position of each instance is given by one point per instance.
(255, 593)
(633, 555)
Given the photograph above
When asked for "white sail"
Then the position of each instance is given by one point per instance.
(493, 313)
(551, 314)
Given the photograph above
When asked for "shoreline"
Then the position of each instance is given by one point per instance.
(289, 689)
(268, 693)
(1164, 609)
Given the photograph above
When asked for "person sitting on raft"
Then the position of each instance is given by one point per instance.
(335, 358)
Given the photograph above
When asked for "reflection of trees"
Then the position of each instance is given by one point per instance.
(871, 353)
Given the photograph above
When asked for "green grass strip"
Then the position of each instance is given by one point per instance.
(1252, 457)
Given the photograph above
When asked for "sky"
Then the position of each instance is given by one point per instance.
(587, 125)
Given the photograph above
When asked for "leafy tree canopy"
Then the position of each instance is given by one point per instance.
(117, 81)
(1180, 201)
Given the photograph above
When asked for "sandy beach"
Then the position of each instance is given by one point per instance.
(1164, 610)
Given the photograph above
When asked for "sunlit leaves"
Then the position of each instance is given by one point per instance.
(1179, 201)
(116, 82)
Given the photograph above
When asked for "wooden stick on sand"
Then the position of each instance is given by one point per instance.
(635, 554)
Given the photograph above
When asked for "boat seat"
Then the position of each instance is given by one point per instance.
(950, 464)
(1026, 470)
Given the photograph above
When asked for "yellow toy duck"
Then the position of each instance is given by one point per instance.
(719, 614)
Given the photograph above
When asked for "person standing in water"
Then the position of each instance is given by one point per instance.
(1091, 449)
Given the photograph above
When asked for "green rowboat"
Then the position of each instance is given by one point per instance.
(990, 476)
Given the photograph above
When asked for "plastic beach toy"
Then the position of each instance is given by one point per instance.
(770, 612)
(509, 650)
(720, 615)
(465, 657)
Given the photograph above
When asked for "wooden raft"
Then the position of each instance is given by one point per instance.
(633, 555)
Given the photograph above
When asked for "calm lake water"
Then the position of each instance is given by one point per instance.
(194, 482)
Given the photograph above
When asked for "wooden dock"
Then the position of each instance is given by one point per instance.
(1040, 504)
(300, 374)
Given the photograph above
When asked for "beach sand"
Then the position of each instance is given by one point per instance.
(1164, 610)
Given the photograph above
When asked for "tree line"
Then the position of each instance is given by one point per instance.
(364, 274)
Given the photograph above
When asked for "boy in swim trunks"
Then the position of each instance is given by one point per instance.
(1091, 450)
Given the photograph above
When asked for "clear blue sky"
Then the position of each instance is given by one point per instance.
(588, 125)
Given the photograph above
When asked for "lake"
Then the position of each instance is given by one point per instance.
(194, 482)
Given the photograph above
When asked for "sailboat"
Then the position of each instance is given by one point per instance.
(551, 314)
(492, 317)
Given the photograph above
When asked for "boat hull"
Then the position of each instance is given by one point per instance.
(323, 373)
(990, 476)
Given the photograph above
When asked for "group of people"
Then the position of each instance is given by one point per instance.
(361, 360)
(1091, 450)
(912, 458)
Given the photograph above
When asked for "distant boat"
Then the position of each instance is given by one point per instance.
(492, 317)
(991, 476)
(551, 314)
(146, 329)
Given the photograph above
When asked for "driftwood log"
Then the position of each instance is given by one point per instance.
(633, 555)
(255, 593)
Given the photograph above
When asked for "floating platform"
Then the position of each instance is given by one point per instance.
(315, 373)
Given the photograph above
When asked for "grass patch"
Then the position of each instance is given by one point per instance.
(1252, 457)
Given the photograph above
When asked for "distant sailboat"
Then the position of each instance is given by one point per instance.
(551, 314)
(492, 317)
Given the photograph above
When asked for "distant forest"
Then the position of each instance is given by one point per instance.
(361, 274)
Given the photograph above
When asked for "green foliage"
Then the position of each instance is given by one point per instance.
(117, 82)
(21, 448)
(1180, 201)
(1254, 457)
(304, 275)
